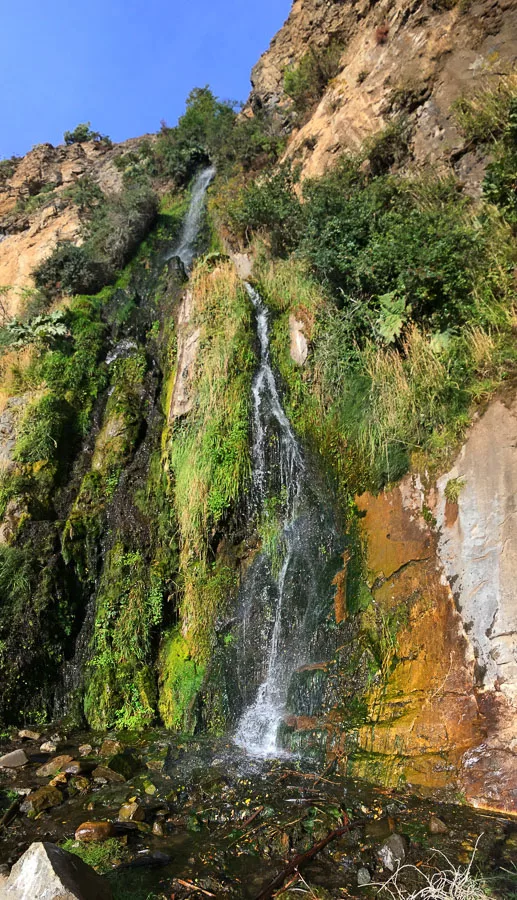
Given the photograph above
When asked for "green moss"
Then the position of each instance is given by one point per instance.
(100, 856)
(180, 679)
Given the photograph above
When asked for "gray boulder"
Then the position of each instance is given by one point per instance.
(47, 872)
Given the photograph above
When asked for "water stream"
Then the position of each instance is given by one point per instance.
(186, 248)
(285, 597)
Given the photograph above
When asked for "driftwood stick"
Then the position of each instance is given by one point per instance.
(277, 882)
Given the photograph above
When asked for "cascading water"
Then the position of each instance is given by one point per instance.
(187, 244)
(285, 597)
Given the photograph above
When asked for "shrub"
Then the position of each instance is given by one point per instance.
(306, 81)
(82, 133)
(71, 270)
(42, 430)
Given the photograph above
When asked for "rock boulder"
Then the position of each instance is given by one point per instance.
(47, 872)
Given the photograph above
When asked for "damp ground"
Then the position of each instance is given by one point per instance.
(213, 822)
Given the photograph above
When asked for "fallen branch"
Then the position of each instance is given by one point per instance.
(252, 817)
(267, 892)
(9, 815)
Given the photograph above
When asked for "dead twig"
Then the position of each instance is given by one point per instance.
(193, 887)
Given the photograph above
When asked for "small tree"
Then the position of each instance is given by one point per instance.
(82, 134)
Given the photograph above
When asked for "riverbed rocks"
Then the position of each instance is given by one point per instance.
(94, 831)
(44, 798)
(392, 852)
(27, 735)
(131, 812)
(53, 766)
(47, 872)
(14, 760)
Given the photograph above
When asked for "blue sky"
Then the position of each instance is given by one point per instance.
(122, 64)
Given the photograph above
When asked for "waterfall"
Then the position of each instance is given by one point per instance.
(186, 246)
(283, 604)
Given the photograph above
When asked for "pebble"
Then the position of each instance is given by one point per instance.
(392, 852)
(53, 766)
(436, 826)
(94, 831)
(85, 749)
(363, 876)
(27, 735)
(14, 760)
(158, 828)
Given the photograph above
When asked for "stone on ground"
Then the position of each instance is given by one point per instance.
(47, 872)
(14, 760)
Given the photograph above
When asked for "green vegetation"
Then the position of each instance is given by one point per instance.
(410, 294)
(179, 682)
(453, 489)
(100, 856)
(209, 452)
(83, 133)
(210, 130)
(306, 81)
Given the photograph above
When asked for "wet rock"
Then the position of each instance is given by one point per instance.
(392, 852)
(363, 876)
(53, 766)
(125, 764)
(79, 767)
(149, 787)
(78, 784)
(158, 828)
(94, 831)
(131, 812)
(436, 826)
(104, 775)
(27, 735)
(46, 871)
(48, 747)
(380, 828)
(110, 747)
(58, 779)
(14, 760)
(44, 798)
(85, 749)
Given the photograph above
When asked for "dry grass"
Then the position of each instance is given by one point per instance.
(451, 883)
(483, 115)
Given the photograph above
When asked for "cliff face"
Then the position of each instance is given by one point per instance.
(35, 212)
(401, 58)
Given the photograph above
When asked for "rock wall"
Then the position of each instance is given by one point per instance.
(27, 234)
(405, 57)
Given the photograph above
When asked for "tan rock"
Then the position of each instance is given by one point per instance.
(27, 735)
(14, 760)
(53, 766)
(110, 747)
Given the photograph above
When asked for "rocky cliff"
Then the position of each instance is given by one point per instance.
(36, 210)
(396, 59)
